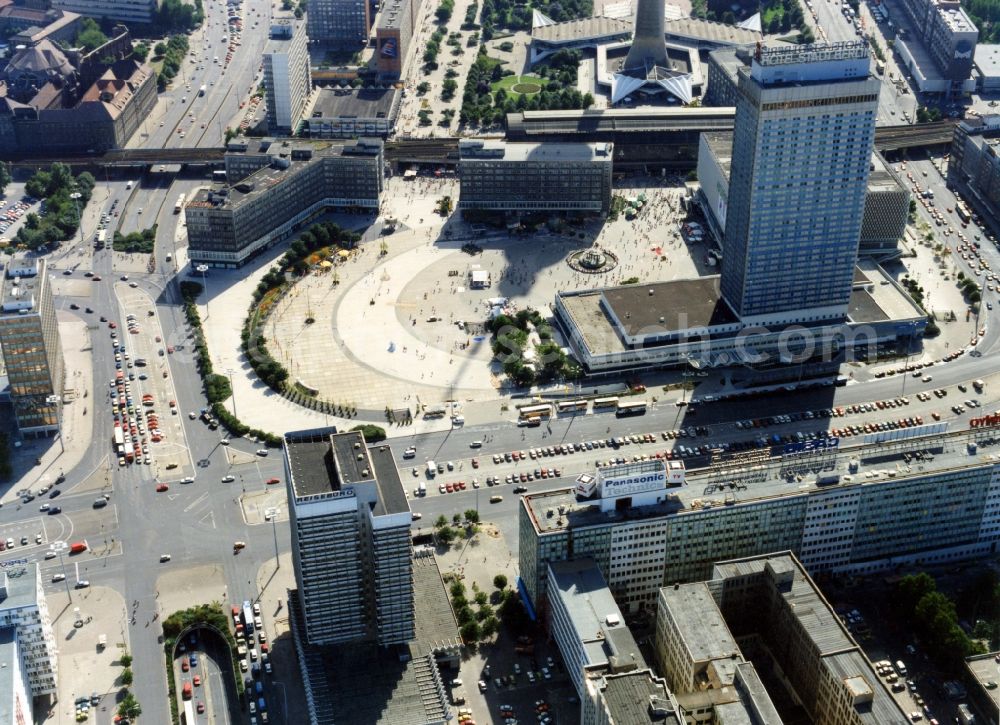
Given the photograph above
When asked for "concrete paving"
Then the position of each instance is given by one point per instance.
(84, 666)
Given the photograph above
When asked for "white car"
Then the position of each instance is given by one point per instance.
(58, 577)
(44, 507)
(262, 452)
(228, 479)
(187, 479)
(164, 557)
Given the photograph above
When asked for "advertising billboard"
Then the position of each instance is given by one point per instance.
(630, 480)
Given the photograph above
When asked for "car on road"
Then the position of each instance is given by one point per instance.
(82, 584)
(262, 452)
(187, 479)
(55, 510)
(54, 492)
(185, 666)
(197, 681)
(50, 555)
(161, 487)
(228, 479)
(44, 507)
(272, 481)
(164, 557)
(520, 489)
(201, 708)
(58, 577)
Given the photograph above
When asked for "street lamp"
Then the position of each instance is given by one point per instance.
(56, 400)
(273, 514)
(232, 390)
(60, 548)
(203, 268)
(75, 196)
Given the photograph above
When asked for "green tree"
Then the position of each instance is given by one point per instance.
(126, 677)
(446, 535)
(126, 660)
(371, 433)
(500, 581)
(441, 521)
(140, 51)
(471, 631)
(911, 589)
(160, 49)
(472, 516)
(488, 627)
(482, 598)
(129, 707)
(5, 177)
(90, 35)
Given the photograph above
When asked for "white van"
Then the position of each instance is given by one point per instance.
(128, 186)
(431, 469)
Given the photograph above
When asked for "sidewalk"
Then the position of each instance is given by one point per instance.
(77, 426)
(84, 667)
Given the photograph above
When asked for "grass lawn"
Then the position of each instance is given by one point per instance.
(526, 85)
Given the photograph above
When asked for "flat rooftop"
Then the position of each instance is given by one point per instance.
(988, 61)
(19, 587)
(391, 497)
(706, 634)
(280, 43)
(943, 452)
(890, 300)
(476, 149)
(985, 669)
(310, 459)
(593, 612)
(710, 31)
(660, 305)
(435, 626)
(354, 103)
(21, 285)
(628, 697)
(594, 28)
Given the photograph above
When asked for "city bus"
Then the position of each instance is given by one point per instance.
(605, 403)
(101, 239)
(637, 407)
(179, 206)
(963, 212)
(572, 406)
(536, 411)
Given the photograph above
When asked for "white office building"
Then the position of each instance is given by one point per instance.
(23, 608)
(351, 544)
(287, 82)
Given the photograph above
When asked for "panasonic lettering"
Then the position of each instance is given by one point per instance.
(630, 485)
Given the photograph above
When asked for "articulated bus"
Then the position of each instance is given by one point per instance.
(179, 206)
(605, 403)
(631, 408)
(536, 411)
(573, 406)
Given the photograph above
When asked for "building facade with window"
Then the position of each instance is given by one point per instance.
(802, 143)
(351, 545)
(287, 83)
(340, 23)
(30, 344)
(286, 185)
(521, 178)
(856, 511)
(24, 610)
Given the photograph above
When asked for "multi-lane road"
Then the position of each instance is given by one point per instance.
(197, 523)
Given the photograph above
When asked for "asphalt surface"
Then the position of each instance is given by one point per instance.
(197, 523)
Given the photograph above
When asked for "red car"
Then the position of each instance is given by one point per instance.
(197, 681)
(112, 325)
(201, 708)
(185, 666)
(161, 487)
(272, 481)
